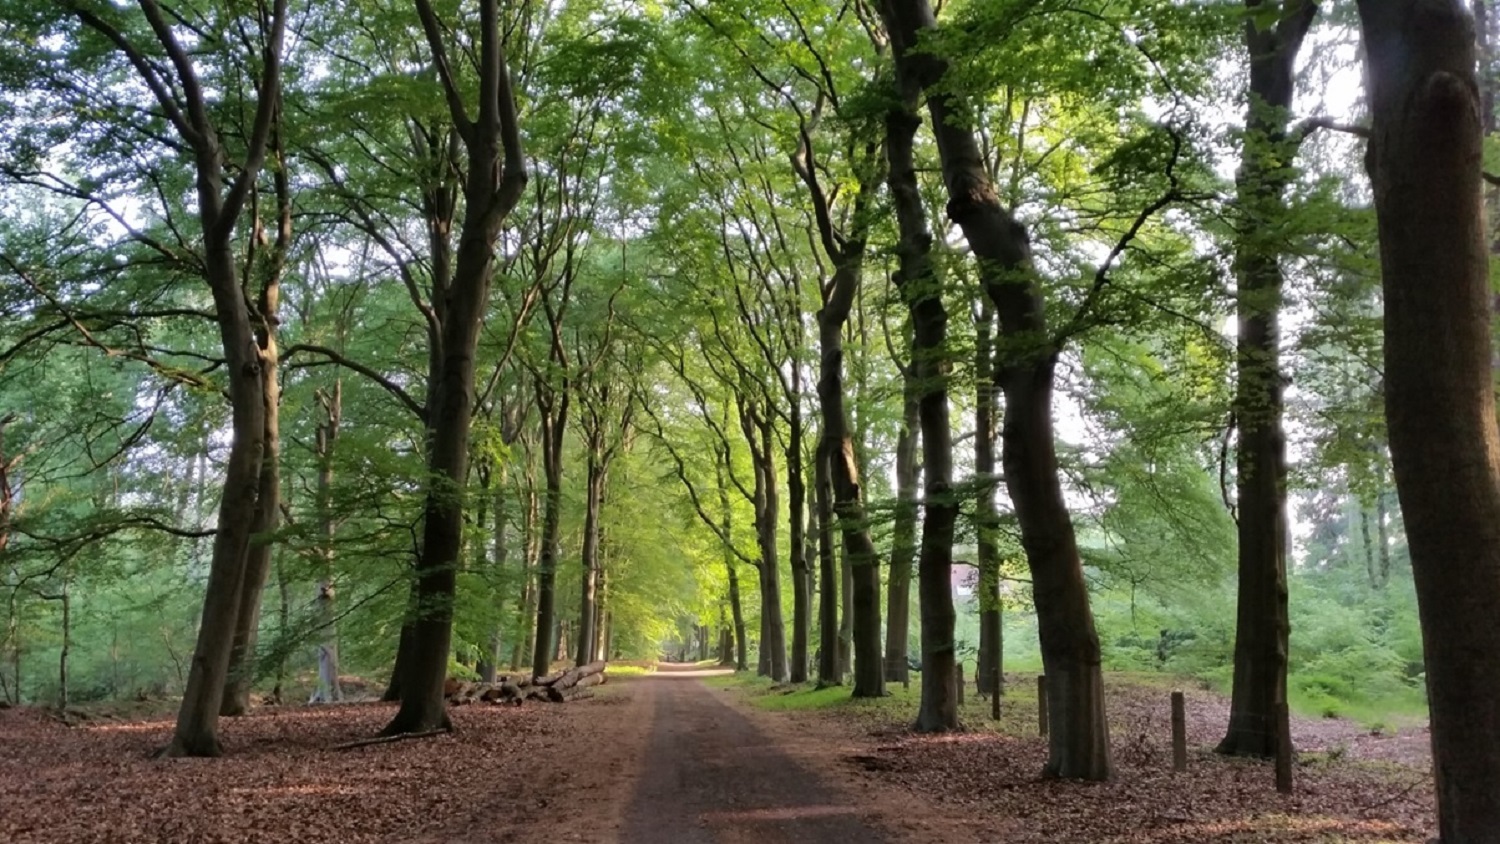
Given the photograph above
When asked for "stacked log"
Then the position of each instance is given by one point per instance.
(557, 687)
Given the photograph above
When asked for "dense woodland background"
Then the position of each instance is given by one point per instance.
(670, 306)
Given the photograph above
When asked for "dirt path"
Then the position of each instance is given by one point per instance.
(710, 776)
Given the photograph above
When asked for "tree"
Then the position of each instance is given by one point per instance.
(836, 446)
(267, 257)
(493, 184)
(1424, 162)
(921, 287)
(179, 94)
(1260, 654)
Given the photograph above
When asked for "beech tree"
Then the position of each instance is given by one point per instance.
(1262, 628)
(177, 96)
(494, 181)
(1424, 162)
(921, 286)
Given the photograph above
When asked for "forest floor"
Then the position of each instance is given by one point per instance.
(675, 759)
(984, 784)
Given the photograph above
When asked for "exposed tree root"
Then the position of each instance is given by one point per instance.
(350, 745)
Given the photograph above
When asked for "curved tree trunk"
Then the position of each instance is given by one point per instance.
(921, 287)
(1079, 734)
(242, 661)
(219, 210)
(1424, 160)
(1261, 628)
(196, 733)
(1079, 738)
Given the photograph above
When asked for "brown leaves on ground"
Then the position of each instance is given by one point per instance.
(1350, 785)
(280, 781)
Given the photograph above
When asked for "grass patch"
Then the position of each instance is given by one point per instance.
(897, 709)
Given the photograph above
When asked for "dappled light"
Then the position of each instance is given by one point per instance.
(749, 420)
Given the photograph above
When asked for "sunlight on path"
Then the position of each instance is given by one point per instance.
(709, 776)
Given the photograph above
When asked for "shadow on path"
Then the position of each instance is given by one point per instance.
(709, 776)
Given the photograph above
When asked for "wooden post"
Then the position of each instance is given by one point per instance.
(1179, 733)
(1041, 704)
(1283, 749)
(959, 681)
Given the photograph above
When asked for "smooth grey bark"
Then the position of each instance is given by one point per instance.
(331, 402)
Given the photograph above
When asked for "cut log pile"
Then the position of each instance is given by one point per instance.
(557, 687)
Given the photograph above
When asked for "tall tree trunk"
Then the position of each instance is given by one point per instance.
(332, 404)
(830, 669)
(489, 663)
(493, 185)
(1079, 739)
(243, 666)
(903, 534)
(589, 587)
(531, 544)
(801, 575)
(756, 427)
(196, 733)
(1261, 629)
(601, 606)
(1382, 539)
(736, 608)
(859, 629)
(921, 287)
(990, 676)
(219, 209)
(554, 408)
(846, 603)
(1425, 162)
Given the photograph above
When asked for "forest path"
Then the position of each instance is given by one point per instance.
(710, 776)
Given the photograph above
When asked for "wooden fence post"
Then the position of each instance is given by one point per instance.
(1179, 733)
(958, 679)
